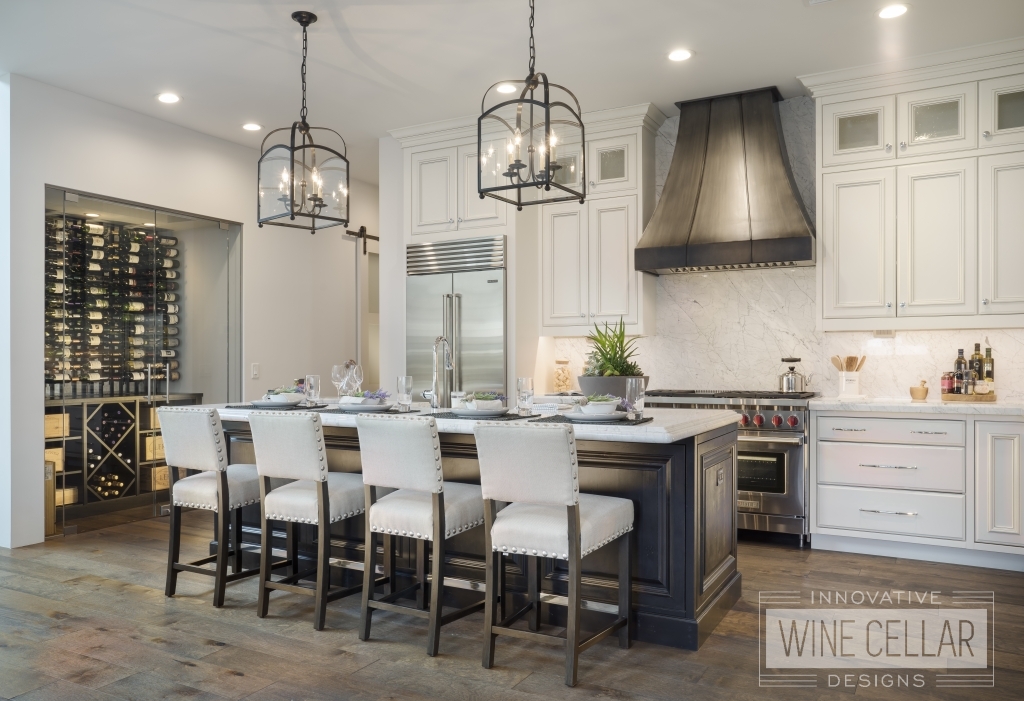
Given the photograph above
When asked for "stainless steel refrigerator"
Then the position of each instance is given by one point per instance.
(456, 289)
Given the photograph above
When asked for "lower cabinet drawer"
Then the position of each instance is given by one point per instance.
(892, 511)
(919, 467)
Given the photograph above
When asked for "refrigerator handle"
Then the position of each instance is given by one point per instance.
(444, 384)
(457, 341)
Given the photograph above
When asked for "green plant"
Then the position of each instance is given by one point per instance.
(612, 353)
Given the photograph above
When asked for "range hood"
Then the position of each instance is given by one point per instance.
(730, 200)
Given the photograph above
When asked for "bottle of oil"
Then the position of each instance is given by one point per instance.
(959, 372)
(977, 362)
(988, 369)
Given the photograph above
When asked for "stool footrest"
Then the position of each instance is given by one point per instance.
(395, 595)
(462, 612)
(515, 616)
(235, 576)
(398, 608)
(598, 637)
(529, 634)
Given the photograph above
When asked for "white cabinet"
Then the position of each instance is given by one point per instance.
(937, 119)
(858, 238)
(611, 225)
(999, 493)
(936, 231)
(565, 276)
(612, 165)
(1001, 111)
(443, 188)
(1001, 233)
(858, 130)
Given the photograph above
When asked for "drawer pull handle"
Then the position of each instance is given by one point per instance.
(851, 430)
(894, 513)
(931, 433)
(890, 467)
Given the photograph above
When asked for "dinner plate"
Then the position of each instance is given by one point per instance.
(260, 404)
(596, 418)
(364, 408)
(479, 413)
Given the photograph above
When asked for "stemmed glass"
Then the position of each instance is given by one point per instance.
(357, 378)
(338, 375)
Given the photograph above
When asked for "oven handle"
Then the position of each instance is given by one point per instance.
(788, 440)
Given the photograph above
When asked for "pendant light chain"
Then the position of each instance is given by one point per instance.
(304, 111)
(533, 47)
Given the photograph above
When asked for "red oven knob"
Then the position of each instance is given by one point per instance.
(793, 421)
(744, 419)
(758, 420)
(776, 421)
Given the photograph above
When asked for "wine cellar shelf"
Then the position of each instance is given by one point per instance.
(107, 452)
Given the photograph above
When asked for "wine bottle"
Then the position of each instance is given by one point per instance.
(168, 263)
(977, 362)
(55, 288)
(167, 274)
(959, 372)
(166, 241)
(988, 368)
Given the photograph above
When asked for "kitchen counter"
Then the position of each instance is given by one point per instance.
(679, 470)
(898, 405)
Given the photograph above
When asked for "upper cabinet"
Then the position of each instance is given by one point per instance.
(937, 120)
(919, 185)
(443, 191)
(1001, 111)
(612, 164)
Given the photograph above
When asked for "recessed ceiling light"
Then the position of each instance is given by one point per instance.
(149, 223)
(90, 214)
(252, 126)
(680, 55)
(892, 11)
(506, 88)
(168, 98)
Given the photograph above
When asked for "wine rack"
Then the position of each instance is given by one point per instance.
(112, 308)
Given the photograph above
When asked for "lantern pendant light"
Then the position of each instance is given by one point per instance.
(531, 147)
(303, 182)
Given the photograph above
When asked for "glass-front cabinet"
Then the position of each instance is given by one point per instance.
(937, 119)
(1001, 111)
(859, 130)
(142, 308)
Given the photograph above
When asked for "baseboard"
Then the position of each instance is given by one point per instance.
(917, 551)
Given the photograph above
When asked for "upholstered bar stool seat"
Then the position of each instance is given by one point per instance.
(409, 513)
(297, 501)
(542, 530)
(200, 491)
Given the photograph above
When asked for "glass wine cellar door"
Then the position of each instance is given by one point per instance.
(142, 310)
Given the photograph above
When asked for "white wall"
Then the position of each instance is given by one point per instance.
(392, 263)
(297, 299)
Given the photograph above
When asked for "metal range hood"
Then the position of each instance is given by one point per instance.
(730, 200)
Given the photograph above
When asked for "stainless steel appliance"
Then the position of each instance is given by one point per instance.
(772, 461)
(456, 290)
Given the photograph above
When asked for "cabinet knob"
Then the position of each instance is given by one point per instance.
(903, 304)
(888, 304)
(582, 314)
(452, 221)
(987, 134)
(591, 183)
(591, 313)
(985, 301)
(888, 147)
(460, 220)
(903, 144)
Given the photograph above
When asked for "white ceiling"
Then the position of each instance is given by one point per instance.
(375, 66)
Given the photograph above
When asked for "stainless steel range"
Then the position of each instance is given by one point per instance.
(772, 480)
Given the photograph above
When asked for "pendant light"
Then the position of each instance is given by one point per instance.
(531, 147)
(303, 182)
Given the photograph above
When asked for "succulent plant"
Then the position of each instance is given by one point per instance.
(612, 353)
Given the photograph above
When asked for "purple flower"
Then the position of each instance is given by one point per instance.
(380, 394)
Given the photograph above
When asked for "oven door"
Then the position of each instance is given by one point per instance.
(770, 474)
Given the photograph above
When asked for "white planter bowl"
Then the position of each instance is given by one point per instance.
(600, 407)
(288, 398)
(484, 404)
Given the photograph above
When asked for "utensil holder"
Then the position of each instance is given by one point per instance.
(849, 384)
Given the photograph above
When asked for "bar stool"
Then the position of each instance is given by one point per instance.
(534, 467)
(291, 446)
(403, 452)
(194, 439)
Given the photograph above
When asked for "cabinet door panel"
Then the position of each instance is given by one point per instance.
(937, 119)
(1001, 232)
(612, 164)
(613, 282)
(858, 130)
(859, 243)
(433, 190)
(1001, 111)
(999, 497)
(937, 238)
(476, 213)
(564, 264)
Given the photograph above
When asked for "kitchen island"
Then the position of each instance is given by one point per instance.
(679, 470)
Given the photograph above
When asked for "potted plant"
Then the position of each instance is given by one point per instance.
(610, 362)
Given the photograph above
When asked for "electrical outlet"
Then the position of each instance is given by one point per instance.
(255, 371)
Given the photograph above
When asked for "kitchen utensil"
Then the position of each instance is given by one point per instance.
(837, 362)
(860, 363)
(792, 381)
(850, 363)
(919, 393)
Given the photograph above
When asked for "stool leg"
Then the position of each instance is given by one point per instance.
(421, 574)
(626, 589)
(291, 538)
(572, 627)
(491, 559)
(323, 559)
(263, 595)
(389, 563)
(173, 550)
(436, 595)
(221, 567)
(236, 540)
(533, 589)
(368, 576)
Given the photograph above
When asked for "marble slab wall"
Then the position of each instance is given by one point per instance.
(729, 330)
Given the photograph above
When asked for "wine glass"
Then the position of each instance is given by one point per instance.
(338, 375)
(404, 393)
(524, 386)
(357, 377)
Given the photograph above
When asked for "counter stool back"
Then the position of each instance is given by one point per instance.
(291, 446)
(404, 453)
(194, 440)
(534, 468)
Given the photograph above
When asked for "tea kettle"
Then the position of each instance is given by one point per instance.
(792, 381)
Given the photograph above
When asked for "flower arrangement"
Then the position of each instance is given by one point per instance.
(599, 398)
(286, 389)
(612, 353)
(485, 396)
(380, 394)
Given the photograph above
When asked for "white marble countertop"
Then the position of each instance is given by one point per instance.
(899, 405)
(669, 425)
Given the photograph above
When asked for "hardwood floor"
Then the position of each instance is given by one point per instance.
(84, 617)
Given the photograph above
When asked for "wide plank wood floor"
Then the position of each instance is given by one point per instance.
(85, 617)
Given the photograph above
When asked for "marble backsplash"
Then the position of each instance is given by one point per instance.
(729, 330)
